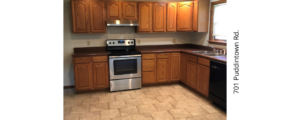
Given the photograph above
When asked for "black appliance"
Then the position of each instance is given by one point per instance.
(218, 83)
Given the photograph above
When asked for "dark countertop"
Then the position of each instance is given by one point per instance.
(99, 51)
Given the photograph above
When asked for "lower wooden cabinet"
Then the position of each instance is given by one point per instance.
(175, 66)
(148, 77)
(183, 67)
(163, 70)
(83, 76)
(91, 75)
(100, 75)
(203, 79)
(191, 74)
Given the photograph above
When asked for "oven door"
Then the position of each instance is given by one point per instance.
(126, 66)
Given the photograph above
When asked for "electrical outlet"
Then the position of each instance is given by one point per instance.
(88, 43)
(138, 41)
(173, 40)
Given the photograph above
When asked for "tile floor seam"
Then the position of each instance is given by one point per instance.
(188, 112)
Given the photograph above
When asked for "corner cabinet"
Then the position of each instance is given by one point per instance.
(175, 66)
(159, 17)
(88, 16)
(145, 17)
(129, 10)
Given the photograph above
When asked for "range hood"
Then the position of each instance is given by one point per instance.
(122, 23)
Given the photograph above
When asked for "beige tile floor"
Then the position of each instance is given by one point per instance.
(169, 102)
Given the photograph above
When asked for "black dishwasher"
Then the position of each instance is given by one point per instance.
(218, 83)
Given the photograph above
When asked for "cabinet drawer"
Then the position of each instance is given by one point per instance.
(82, 59)
(148, 56)
(203, 61)
(100, 59)
(148, 65)
(163, 55)
(192, 58)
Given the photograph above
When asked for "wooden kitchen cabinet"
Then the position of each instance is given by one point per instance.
(163, 70)
(114, 10)
(83, 76)
(191, 78)
(148, 68)
(148, 77)
(195, 16)
(145, 17)
(88, 16)
(184, 16)
(100, 75)
(159, 17)
(171, 17)
(80, 16)
(175, 66)
(129, 10)
(97, 16)
(203, 79)
(183, 67)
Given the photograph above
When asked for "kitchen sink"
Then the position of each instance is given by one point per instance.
(213, 54)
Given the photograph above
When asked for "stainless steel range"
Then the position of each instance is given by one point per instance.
(124, 64)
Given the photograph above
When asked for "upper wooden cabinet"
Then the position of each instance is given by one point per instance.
(171, 17)
(129, 10)
(145, 17)
(203, 79)
(88, 16)
(80, 16)
(159, 17)
(202, 17)
(195, 16)
(114, 10)
(98, 16)
(184, 16)
(175, 66)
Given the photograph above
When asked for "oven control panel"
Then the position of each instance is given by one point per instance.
(121, 42)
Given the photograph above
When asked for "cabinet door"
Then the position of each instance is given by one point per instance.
(184, 16)
(159, 17)
(203, 79)
(83, 76)
(145, 17)
(80, 16)
(148, 77)
(175, 66)
(171, 17)
(195, 15)
(129, 10)
(98, 16)
(100, 73)
(148, 65)
(191, 74)
(183, 67)
(163, 70)
(114, 10)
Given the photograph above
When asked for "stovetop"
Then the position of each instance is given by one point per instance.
(123, 52)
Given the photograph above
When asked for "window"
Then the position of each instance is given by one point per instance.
(217, 23)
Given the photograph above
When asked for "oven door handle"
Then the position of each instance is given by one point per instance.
(125, 56)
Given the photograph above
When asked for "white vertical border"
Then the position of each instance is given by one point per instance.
(264, 68)
(31, 62)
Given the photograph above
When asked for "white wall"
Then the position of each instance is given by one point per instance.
(80, 40)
